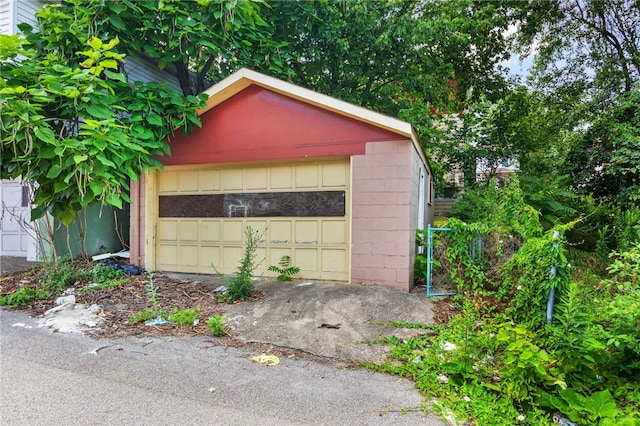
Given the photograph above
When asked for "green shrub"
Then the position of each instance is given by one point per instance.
(217, 326)
(147, 315)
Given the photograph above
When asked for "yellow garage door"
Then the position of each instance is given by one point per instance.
(301, 210)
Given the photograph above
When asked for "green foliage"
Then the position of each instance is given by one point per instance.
(285, 270)
(71, 122)
(147, 314)
(420, 265)
(152, 291)
(104, 285)
(23, 296)
(185, 317)
(217, 326)
(103, 273)
(60, 273)
(240, 284)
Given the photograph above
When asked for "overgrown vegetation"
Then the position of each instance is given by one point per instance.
(513, 357)
(240, 285)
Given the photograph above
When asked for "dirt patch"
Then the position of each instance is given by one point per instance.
(118, 304)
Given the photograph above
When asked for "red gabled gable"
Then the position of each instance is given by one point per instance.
(258, 124)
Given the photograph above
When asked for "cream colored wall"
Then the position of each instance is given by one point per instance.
(382, 234)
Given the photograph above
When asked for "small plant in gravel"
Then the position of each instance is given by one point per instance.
(217, 326)
(285, 270)
(147, 314)
(185, 317)
(240, 284)
(152, 298)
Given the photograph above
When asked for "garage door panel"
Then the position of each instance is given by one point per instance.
(281, 177)
(256, 179)
(276, 254)
(188, 230)
(209, 180)
(306, 260)
(318, 245)
(168, 182)
(188, 181)
(210, 231)
(168, 230)
(188, 255)
(333, 260)
(280, 231)
(232, 232)
(209, 255)
(333, 232)
(335, 175)
(306, 231)
(231, 257)
(167, 256)
(307, 176)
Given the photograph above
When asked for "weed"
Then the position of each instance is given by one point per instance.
(146, 315)
(285, 270)
(240, 284)
(104, 285)
(152, 291)
(102, 273)
(185, 317)
(56, 275)
(23, 296)
(217, 326)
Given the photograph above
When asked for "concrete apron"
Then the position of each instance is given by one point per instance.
(328, 319)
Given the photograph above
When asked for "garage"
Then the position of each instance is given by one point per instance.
(339, 189)
(300, 209)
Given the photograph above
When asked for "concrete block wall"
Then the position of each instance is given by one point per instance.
(381, 237)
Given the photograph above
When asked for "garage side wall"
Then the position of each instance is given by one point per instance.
(381, 215)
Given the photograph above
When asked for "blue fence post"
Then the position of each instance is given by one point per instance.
(430, 260)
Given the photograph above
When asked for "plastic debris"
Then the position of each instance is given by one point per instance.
(128, 269)
(447, 346)
(220, 289)
(212, 389)
(558, 419)
(443, 378)
(123, 254)
(157, 321)
(266, 359)
(303, 284)
(417, 359)
(63, 300)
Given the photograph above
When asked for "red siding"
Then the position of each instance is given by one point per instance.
(258, 124)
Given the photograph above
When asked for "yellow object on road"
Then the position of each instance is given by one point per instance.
(266, 359)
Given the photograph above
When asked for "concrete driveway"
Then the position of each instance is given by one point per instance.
(328, 319)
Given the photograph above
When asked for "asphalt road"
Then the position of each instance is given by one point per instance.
(70, 379)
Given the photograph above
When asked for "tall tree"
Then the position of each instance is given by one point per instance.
(71, 122)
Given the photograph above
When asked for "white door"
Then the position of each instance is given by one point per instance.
(16, 233)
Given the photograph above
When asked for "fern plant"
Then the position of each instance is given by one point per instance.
(285, 270)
